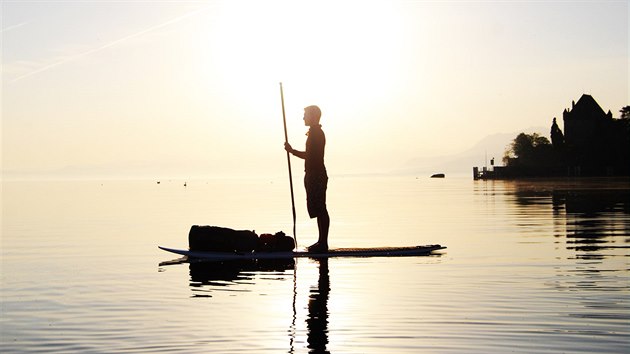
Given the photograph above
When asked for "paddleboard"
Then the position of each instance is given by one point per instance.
(334, 252)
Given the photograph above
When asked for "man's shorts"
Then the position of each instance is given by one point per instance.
(316, 184)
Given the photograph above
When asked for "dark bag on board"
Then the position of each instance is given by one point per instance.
(221, 239)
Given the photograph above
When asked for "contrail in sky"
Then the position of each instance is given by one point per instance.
(12, 27)
(108, 45)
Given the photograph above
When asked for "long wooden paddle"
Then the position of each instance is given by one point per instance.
(286, 140)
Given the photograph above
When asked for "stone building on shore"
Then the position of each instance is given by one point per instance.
(593, 144)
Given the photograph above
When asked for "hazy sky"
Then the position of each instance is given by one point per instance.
(191, 87)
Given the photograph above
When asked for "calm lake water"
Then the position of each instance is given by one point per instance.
(531, 267)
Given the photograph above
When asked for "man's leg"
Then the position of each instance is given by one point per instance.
(323, 223)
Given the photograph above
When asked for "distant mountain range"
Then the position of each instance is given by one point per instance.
(492, 146)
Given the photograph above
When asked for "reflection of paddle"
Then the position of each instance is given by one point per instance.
(286, 140)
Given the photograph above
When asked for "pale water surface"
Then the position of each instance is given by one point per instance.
(531, 267)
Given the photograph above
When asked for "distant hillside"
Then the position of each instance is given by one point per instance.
(490, 146)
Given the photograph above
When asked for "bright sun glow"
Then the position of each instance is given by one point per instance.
(322, 51)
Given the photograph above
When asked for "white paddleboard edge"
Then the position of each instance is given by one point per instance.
(356, 252)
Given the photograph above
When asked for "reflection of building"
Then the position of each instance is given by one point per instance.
(596, 220)
(591, 215)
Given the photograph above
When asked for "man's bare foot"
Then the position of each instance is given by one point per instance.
(317, 248)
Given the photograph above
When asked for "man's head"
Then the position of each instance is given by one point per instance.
(312, 115)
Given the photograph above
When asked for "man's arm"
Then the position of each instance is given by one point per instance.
(300, 154)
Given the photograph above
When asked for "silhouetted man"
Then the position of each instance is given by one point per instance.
(315, 177)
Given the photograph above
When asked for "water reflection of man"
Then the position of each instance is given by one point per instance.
(317, 321)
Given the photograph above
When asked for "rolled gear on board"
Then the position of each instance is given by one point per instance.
(279, 242)
(223, 239)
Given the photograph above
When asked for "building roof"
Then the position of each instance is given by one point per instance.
(587, 108)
